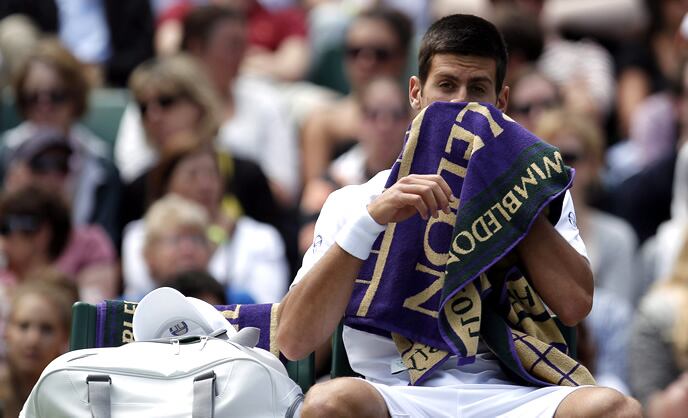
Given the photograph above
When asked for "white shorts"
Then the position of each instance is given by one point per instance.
(472, 400)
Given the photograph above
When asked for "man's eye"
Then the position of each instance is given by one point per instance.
(445, 85)
(478, 89)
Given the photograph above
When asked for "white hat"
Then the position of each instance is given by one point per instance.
(165, 312)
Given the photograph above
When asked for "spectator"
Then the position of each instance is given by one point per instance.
(254, 125)
(386, 116)
(531, 94)
(181, 110)
(247, 256)
(376, 44)
(659, 343)
(52, 93)
(610, 241)
(277, 39)
(37, 332)
(110, 36)
(37, 232)
(654, 200)
(175, 239)
(650, 63)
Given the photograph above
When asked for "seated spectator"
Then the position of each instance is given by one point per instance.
(277, 40)
(35, 227)
(37, 232)
(246, 255)
(376, 44)
(532, 94)
(37, 332)
(386, 116)
(180, 110)
(610, 241)
(250, 116)
(51, 92)
(659, 342)
(175, 239)
(110, 37)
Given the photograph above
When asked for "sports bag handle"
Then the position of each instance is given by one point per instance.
(99, 395)
(204, 396)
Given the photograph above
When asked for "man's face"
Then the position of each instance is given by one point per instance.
(458, 78)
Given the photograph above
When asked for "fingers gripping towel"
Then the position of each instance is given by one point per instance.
(439, 286)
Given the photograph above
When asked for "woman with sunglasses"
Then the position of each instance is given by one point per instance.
(376, 44)
(610, 242)
(180, 109)
(51, 92)
(386, 115)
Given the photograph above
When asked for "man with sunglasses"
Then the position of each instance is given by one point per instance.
(462, 58)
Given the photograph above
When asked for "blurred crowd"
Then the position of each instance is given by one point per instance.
(241, 116)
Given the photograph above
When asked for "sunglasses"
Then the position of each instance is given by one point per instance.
(164, 102)
(526, 108)
(391, 113)
(54, 97)
(380, 54)
(27, 224)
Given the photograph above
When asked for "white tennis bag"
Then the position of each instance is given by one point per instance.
(179, 370)
(195, 377)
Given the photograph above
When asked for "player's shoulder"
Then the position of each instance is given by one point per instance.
(353, 194)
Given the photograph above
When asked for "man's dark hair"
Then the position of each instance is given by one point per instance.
(196, 284)
(400, 24)
(463, 35)
(26, 209)
(199, 24)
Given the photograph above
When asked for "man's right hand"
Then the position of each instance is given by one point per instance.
(424, 194)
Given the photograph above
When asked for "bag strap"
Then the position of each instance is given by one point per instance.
(99, 395)
(204, 396)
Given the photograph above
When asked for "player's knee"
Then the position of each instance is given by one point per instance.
(612, 403)
(336, 398)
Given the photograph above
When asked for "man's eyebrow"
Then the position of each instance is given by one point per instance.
(480, 79)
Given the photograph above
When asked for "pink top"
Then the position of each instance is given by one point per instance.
(88, 246)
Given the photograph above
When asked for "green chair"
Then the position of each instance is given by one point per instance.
(85, 333)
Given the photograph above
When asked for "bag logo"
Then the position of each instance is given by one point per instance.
(180, 328)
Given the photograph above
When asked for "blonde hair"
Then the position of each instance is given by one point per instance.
(53, 286)
(678, 283)
(170, 213)
(557, 122)
(181, 75)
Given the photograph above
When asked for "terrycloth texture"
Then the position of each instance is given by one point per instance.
(114, 322)
(435, 285)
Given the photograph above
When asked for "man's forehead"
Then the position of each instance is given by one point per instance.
(471, 66)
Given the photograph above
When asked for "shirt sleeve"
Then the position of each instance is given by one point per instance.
(330, 221)
(567, 227)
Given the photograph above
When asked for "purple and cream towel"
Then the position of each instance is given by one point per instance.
(114, 320)
(439, 286)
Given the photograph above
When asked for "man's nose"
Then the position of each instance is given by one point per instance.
(459, 96)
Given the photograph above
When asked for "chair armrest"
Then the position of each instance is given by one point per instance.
(83, 334)
(302, 372)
